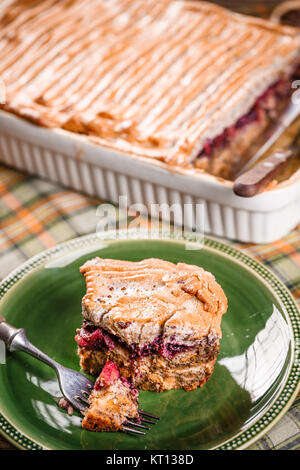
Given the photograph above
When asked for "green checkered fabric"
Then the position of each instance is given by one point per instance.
(36, 214)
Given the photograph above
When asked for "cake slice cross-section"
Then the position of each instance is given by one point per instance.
(112, 402)
(159, 322)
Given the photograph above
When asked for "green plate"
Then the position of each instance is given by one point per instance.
(256, 376)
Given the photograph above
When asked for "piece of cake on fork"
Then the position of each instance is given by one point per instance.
(159, 322)
(112, 402)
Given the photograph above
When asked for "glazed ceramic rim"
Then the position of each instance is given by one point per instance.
(284, 397)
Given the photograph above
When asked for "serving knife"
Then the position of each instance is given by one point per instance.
(256, 179)
(253, 179)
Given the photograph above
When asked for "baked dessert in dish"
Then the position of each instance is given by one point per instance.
(186, 83)
(158, 321)
(112, 401)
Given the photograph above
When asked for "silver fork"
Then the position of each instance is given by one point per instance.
(74, 386)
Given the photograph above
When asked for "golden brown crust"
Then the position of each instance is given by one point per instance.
(97, 423)
(137, 301)
(152, 78)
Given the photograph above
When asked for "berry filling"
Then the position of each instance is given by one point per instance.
(95, 338)
(109, 375)
(263, 108)
(91, 337)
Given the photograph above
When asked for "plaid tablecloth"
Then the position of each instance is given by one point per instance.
(36, 214)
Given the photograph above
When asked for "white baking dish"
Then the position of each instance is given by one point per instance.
(73, 161)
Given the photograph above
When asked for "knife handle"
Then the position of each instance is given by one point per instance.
(256, 179)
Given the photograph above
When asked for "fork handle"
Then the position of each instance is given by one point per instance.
(7, 332)
(16, 340)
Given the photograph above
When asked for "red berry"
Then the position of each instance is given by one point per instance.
(109, 375)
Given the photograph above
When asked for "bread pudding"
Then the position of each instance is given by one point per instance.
(159, 322)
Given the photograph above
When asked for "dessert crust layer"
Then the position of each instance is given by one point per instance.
(138, 301)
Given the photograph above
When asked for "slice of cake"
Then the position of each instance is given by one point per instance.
(158, 321)
(112, 402)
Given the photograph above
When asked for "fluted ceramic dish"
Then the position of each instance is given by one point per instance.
(256, 376)
(69, 159)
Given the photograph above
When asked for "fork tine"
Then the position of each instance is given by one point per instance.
(141, 426)
(81, 398)
(135, 431)
(85, 400)
(149, 415)
(145, 420)
(86, 389)
(78, 405)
